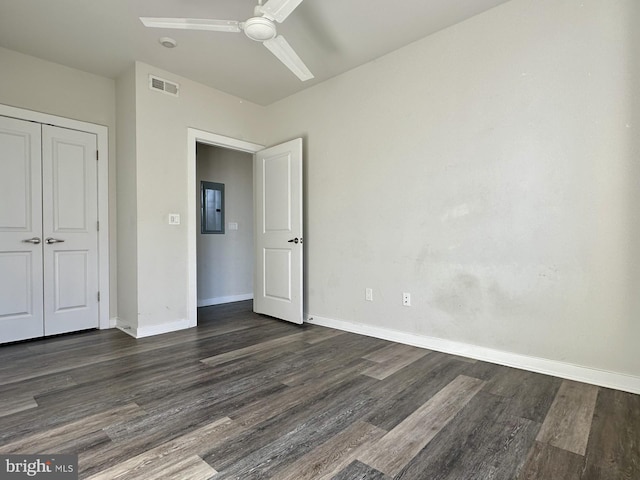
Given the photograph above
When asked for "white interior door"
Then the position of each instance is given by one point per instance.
(70, 229)
(278, 231)
(21, 314)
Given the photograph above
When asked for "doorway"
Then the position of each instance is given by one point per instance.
(278, 239)
(225, 253)
(194, 138)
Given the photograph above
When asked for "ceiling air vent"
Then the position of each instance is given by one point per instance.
(161, 85)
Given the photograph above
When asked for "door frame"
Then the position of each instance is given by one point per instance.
(102, 136)
(195, 136)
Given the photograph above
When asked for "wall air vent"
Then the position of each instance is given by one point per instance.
(165, 86)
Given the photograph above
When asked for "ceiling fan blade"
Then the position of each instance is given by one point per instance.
(281, 49)
(192, 24)
(280, 9)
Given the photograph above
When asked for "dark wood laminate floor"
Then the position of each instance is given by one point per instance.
(248, 397)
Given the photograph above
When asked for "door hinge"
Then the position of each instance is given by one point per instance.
(97, 155)
(98, 296)
(98, 225)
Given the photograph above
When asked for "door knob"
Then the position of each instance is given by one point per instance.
(51, 240)
(34, 240)
(294, 240)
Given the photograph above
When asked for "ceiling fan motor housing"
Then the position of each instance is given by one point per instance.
(259, 29)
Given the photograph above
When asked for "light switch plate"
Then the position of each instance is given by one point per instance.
(233, 225)
(174, 219)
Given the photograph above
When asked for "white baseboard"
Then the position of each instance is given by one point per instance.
(150, 330)
(123, 326)
(207, 302)
(603, 378)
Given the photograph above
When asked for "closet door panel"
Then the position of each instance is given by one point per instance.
(21, 290)
(70, 186)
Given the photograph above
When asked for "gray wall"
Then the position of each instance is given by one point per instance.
(127, 198)
(492, 170)
(33, 84)
(225, 262)
(162, 168)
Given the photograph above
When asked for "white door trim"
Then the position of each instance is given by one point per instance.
(102, 133)
(200, 136)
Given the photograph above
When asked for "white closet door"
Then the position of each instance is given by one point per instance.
(70, 230)
(20, 231)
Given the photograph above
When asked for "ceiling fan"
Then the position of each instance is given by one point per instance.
(260, 27)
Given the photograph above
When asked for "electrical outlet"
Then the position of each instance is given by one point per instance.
(406, 299)
(368, 294)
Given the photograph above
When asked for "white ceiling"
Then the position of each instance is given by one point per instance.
(331, 36)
